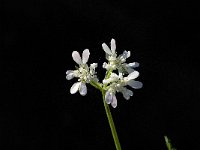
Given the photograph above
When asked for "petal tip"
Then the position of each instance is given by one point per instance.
(85, 56)
(76, 57)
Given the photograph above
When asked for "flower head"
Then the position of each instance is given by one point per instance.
(117, 62)
(119, 76)
(84, 73)
(117, 83)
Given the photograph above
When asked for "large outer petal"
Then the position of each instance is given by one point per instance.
(82, 89)
(133, 75)
(85, 56)
(135, 84)
(69, 74)
(76, 57)
(113, 46)
(75, 87)
(106, 49)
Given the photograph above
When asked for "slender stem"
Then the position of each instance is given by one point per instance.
(168, 143)
(111, 123)
(107, 109)
(96, 85)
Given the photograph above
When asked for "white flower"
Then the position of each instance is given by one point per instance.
(116, 83)
(115, 62)
(83, 72)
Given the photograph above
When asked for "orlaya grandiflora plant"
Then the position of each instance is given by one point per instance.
(119, 75)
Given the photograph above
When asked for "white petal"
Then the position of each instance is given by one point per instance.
(82, 89)
(135, 84)
(126, 54)
(93, 66)
(76, 57)
(129, 92)
(114, 101)
(120, 75)
(126, 93)
(126, 96)
(133, 75)
(75, 87)
(114, 75)
(106, 49)
(130, 70)
(104, 65)
(106, 81)
(134, 64)
(76, 73)
(85, 56)
(68, 72)
(108, 97)
(113, 46)
(70, 76)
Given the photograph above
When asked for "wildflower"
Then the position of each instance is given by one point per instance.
(117, 63)
(116, 83)
(84, 73)
(113, 82)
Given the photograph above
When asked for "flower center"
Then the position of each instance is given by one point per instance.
(84, 73)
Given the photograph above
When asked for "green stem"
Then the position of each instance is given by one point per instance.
(96, 85)
(111, 123)
(107, 109)
(168, 143)
(108, 73)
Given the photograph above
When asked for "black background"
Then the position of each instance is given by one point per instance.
(37, 110)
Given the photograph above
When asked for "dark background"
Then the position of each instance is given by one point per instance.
(37, 110)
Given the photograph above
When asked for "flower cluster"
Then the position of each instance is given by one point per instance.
(83, 72)
(119, 74)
